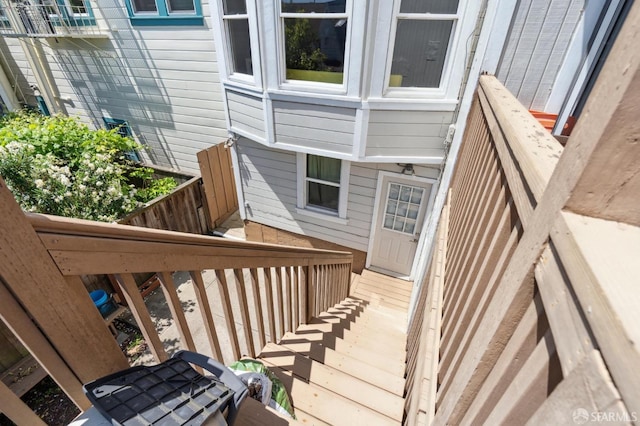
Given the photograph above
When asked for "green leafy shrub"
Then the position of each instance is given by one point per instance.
(57, 165)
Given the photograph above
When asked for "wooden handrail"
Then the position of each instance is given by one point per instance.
(46, 224)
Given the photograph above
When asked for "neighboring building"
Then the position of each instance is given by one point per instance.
(149, 63)
(343, 112)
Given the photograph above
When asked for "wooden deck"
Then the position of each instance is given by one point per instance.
(337, 368)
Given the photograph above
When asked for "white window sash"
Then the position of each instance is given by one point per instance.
(302, 179)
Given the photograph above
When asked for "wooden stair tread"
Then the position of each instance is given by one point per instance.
(23, 375)
(378, 299)
(368, 373)
(370, 336)
(371, 317)
(387, 330)
(253, 413)
(370, 275)
(328, 406)
(305, 346)
(389, 288)
(340, 383)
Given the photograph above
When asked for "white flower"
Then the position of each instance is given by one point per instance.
(39, 183)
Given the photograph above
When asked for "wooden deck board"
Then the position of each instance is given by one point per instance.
(340, 383)
(328, 406)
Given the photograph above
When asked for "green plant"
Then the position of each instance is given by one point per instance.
(57, 165)
(303, 46)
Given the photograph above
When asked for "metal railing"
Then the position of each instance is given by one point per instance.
(48, 18)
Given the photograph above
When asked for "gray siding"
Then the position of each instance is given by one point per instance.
(270, 191)
(162, 80)
(407, 133)
(540, 35)
(246, 113)
(314, 126)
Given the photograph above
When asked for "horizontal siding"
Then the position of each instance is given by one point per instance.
(270, 191)
(163, 80)
(407, 133)
(314, 126)
(246, 113)
(536, 45)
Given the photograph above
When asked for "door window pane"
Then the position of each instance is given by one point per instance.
(145, 5)
(403, 207)
(238, 30)
(429, 6)
(181, 6)
(419, 51)
(315, 48)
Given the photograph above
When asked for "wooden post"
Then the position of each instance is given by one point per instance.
(62, 308)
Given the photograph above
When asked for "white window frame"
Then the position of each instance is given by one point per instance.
(464, 21)
(223, 44)
(302, 206)
(354, 45)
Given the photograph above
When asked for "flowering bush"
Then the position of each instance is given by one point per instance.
(57, 165)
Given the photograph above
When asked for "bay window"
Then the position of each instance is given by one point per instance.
(236, 24)
(314, 34)
(423, 32)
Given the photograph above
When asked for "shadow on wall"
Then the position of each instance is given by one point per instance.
(16, 75)
(118, 78)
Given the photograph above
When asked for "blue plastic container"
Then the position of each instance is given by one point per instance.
(103, 302)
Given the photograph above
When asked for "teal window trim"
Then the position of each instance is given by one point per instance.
(73, 19)
(163, 17)
(124, 130)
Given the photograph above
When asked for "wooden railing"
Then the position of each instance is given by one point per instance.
(529, 310)
(267, 290)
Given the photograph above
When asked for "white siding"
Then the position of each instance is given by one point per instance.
(162, 80)
(540, 35)
(314, 126)
(246, 113)
(407, 133)
(269, 185)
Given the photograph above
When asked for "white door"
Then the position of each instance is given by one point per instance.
(402, 202)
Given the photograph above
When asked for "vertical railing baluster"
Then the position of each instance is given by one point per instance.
(205, 310)
(258, 304)
(228, 312)
(287, 295)
(279, 300)
(171, 295)
(244, 310)
(305, 290)
(270, 307)
(142, 316)
(296, 297)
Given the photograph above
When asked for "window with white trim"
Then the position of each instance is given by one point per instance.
(314, 39)
(323, 184)
(423, 32)
(236, 26)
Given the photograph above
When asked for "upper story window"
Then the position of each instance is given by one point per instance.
(314, 39)
(165, 12)
(423, 33)
(236, 26)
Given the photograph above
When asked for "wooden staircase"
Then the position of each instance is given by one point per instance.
(347, 365)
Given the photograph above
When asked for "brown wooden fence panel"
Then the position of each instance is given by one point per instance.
(219, 183)
(182, 210)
